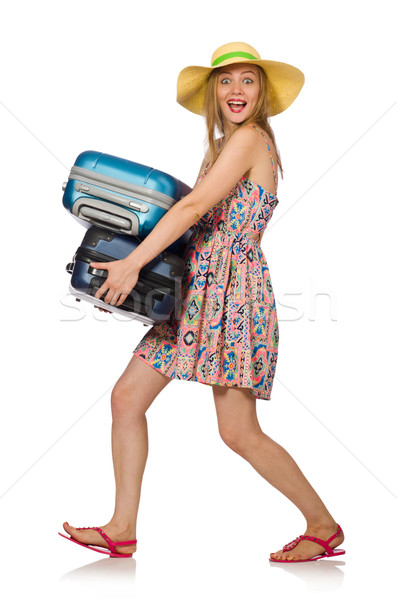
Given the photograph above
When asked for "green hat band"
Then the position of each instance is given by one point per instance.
(234, 55)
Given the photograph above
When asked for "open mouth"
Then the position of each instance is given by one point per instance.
(236, 106)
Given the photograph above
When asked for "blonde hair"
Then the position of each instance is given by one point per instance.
(214, 118)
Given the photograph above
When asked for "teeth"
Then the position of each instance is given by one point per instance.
(237, 103)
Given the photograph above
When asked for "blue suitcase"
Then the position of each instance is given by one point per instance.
(121, 195)
(157, 292)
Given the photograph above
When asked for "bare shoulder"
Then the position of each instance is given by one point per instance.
(262, 170)
(262, 135)
(246, 135)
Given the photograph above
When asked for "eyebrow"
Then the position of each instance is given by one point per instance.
(229, 73)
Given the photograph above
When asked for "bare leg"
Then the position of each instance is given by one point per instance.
(132, 395)
(240, 430)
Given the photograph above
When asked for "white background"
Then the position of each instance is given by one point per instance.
(102, 75)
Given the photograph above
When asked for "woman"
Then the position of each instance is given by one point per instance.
(227, 333)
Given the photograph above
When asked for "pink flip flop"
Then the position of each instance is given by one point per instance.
(325, 543)
(112, 545)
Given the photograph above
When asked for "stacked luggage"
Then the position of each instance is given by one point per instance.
(120, 202)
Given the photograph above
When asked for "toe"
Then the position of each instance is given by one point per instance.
(287, 557)
(67, 527)
(80, 536)
(277, 554)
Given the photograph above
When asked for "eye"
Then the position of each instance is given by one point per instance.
(248, 80)
(225, 80)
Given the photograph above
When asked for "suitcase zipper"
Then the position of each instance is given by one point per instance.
(87, 178)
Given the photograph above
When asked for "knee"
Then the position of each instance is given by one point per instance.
(242, 440)
(125, 404)
(233, 439)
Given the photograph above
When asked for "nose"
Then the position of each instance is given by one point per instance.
(236, 87)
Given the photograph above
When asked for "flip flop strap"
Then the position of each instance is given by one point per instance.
(112, 545)
(323, 543)
(311, 538)
(338, 532)
(292, 544)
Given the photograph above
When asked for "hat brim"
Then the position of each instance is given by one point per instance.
(285, 83)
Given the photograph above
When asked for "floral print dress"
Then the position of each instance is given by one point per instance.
(226, 331)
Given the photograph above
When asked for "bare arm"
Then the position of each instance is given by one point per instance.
(203, 165)
(237, 157)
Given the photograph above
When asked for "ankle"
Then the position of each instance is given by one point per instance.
(122, 526)
(323, 525)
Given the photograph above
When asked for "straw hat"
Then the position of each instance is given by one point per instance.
(285, 80)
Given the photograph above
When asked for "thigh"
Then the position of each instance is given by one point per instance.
(138, 385)
(236, 413)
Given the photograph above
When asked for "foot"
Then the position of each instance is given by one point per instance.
(307, 549)
(93, 538)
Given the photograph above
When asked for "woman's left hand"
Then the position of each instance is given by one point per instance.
(122, 278)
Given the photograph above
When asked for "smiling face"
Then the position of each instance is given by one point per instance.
(238, 92)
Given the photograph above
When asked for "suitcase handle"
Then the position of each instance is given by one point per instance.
(96, 211)
(98, 272)
(155, 279)
(141, 285)
(102, 216)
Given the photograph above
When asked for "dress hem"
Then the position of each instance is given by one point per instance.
(251, 390)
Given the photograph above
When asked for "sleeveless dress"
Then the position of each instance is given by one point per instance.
(226, 330)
